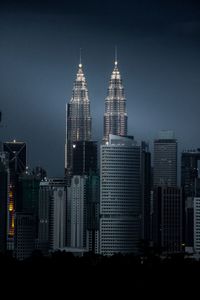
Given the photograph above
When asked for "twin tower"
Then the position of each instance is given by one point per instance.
(78, 116)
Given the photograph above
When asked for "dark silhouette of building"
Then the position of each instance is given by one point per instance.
(190, 166)
(190, 182)
(93, 212)
(165, 159)
(84, 158)
(168, 219)
(17, 165)
(24, 235)
(4, 181)
(146, 191)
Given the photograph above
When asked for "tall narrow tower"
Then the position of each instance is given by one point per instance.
(115, 116)
(78, 117)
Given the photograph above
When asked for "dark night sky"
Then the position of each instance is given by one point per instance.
(159, 57)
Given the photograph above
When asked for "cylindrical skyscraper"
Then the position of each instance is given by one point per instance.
(115, 116)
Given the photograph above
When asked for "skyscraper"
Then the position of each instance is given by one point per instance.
(78, 117)
(17, 165)
(84, 157)
(4, 185)
(190, 171)
(168, 219)
(83, 198)
(197, 224)
(52, 214)
(120, 196)
(43, 216)
(165, 159)
(115, 116)
(24, 234)
(93, 212)
(77, 212)
(146, 190)
(190, 182)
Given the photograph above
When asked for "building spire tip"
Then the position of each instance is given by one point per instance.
(116, 61)
(80, 59)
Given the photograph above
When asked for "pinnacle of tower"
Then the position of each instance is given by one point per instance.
(80, 75)
(80, 91)
(115, 73)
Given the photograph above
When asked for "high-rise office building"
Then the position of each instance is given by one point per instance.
(17, 165)
(28, 193)
(24, 235)
(78, 118)
(190, 172)
(4, 187)
(146, 191)
(45, 194)
(168, 219)
(165, 160)
(197, 225)
(57, 214)
(190, 182)
(77, 212)
(83, 212)
(28, 197)
(120, 196)
(84, 157)
(93, 212)
(17, 156)
(52, 214)
(115, 116)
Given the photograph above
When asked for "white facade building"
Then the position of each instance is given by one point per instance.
(120, 196)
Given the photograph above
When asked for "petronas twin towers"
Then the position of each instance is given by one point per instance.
(78, 117)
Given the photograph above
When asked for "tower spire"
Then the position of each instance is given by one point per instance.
(80, 58)
(115, 116)
(116, 61)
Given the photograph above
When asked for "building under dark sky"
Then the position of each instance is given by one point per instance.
(158, 51)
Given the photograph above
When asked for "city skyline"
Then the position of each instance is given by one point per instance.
(158, 53)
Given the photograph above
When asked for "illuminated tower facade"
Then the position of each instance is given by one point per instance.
(115, 116)
(78, 118)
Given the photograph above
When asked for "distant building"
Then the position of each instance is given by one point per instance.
(190, 166)
(77, 212)
(24, 235)
(52, 214)
(93, 212)
(45, 194)
(4, 188)
(190, 182)
(83, 198)
(197, 225)
(17, 165)
(146, 191)
(84, 158)
(168, 219)
(165, 160)
(120, 196)
(57, 214)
